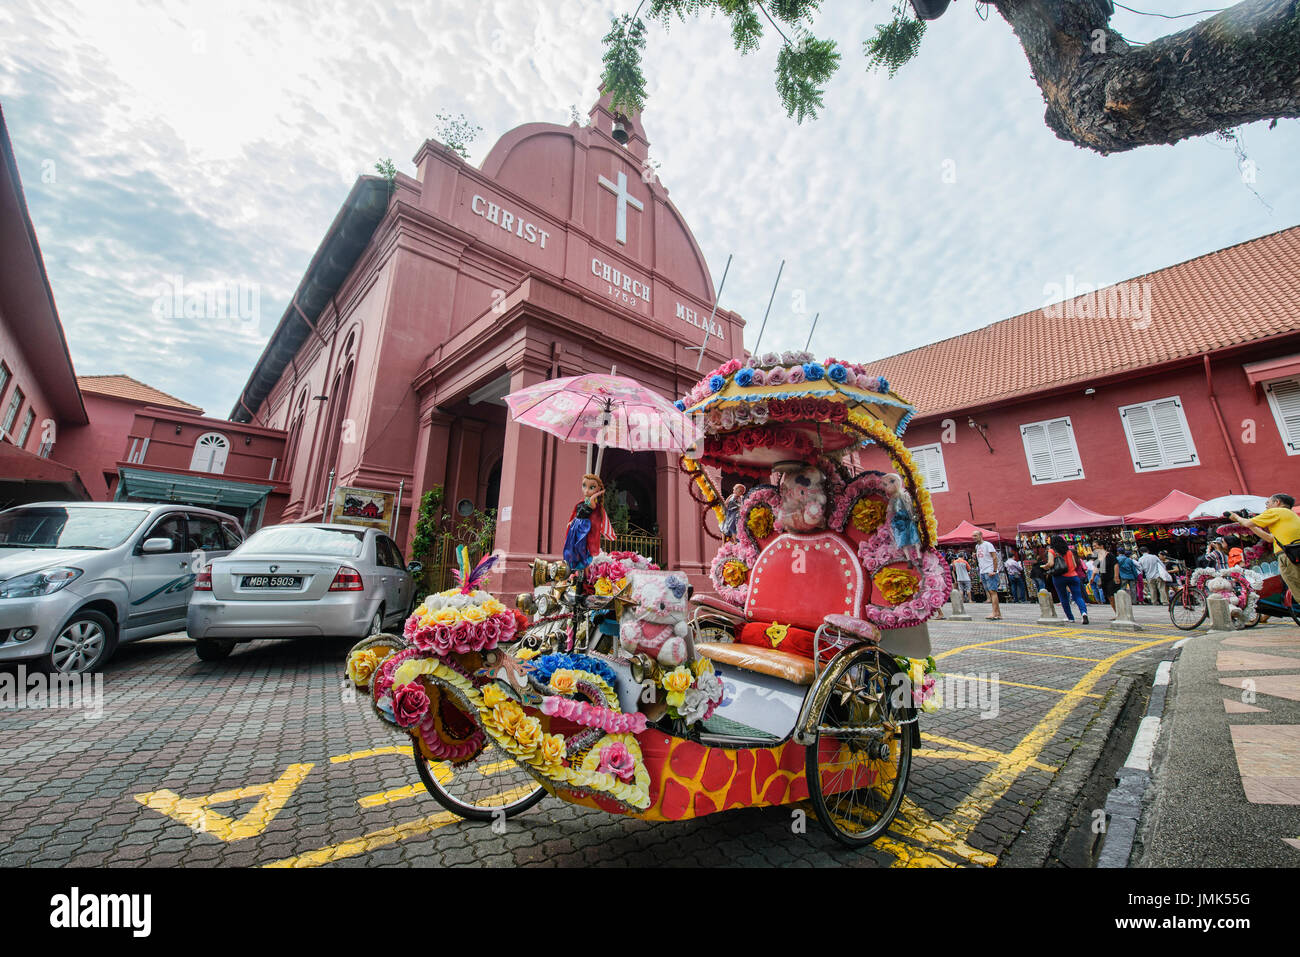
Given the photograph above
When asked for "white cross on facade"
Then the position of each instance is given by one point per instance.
(625, 199)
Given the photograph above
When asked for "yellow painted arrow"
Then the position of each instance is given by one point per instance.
(196, 812)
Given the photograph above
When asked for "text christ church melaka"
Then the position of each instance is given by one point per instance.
(421, 310)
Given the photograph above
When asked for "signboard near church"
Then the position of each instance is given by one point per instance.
(364, 507)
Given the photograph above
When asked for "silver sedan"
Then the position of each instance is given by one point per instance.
(293, 581)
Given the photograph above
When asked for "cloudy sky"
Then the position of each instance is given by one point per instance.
(215, 143)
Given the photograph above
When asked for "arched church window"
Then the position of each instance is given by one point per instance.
(210, 452)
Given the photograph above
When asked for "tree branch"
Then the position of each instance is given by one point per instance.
(1236, 67)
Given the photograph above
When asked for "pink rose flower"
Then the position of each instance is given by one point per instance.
(462, 637)
(777, 376)
(508, 627)
(410, 704)
(794, 374)
(616, 760)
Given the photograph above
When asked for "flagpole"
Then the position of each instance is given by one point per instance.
(709, 325)
(769, 307)
(808, 344)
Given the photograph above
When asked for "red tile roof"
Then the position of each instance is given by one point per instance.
(1233, 296)
(124, 387)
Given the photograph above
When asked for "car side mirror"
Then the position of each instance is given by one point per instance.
(155, 545)
(414, 568)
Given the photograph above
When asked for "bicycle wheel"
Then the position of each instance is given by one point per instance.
(484, 789)
(1187, 608)
(857, 766)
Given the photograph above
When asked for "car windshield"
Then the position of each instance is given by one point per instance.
(68, 526)
(303, 540)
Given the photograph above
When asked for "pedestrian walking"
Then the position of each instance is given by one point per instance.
(1279, 524)
(987, 557)
(1155, 576)
(1126, 573)
(1104, 561)
(961, 575)
(1067, 576)
(1016, 579)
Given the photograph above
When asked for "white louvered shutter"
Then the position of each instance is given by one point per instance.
(1284, 396)
(929, 461)
(1157, 435)
(1065, 458)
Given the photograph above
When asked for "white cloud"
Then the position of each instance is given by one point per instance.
(217, 142)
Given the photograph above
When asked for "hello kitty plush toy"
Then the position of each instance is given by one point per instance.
(656, 624)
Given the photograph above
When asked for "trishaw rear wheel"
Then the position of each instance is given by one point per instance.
(1187, 608)
(857, 767)
(488, 788)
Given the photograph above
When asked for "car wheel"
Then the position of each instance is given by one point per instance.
(376, 623)
(82, 645)
(213, 649)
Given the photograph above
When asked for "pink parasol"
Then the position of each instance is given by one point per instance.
(605, 410)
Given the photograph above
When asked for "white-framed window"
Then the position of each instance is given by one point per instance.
(26, 430)
(1051, 451)
(1284, 400)
(1158, 437)
(210, 451)
(11, 413)
(929, 462)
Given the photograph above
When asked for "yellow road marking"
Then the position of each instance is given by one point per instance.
(965, 817)
(1018, 684)
(913, 822)
(987, 754)
(497, 767)
(1042, 654)
(195, 812)
(391, 795)
(372, 752)
(984, 644)
(368, 842)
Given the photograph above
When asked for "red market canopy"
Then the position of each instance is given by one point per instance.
(1175, 507)
(965, 532)
(1069, 514)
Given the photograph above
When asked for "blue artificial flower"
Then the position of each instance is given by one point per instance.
(884, 384)
(745, 377)
(837, 373)
(717, 382)
(545, 666)
(680, 405)
(813, 371)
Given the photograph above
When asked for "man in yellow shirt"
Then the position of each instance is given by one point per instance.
(1279, 524)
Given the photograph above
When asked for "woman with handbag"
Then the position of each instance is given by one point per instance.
(1067, 576)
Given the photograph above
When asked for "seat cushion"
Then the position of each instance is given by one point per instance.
(765, 661)
(717, 604)
(854, 626)
(788, 638)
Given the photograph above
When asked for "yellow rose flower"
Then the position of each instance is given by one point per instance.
(896, 584)
(473, 614)
(553, 749)
(507, 714)
(528, 734)
(604, 586)
(677, 682)
(493, 695)
(361, 665)
(867, 515)
(445, 616)
(526, 654)
(734, 574)
(563, 682)
(493, 607)
(620, 584)
(420, 611)
(759, 522)
(702, 666)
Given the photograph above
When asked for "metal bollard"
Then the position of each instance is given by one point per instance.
(958, 606)
(1220, 615)
(1124, 612)
(1046, 610)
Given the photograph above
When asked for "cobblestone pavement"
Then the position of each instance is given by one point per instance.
(260, 759)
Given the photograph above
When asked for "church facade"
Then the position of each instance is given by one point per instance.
(431, 299)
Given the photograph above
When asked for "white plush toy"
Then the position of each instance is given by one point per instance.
(656, 625)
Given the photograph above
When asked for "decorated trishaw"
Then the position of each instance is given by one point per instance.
(614, 686)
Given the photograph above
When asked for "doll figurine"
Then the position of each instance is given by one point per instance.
(587, 526)
(902, 519)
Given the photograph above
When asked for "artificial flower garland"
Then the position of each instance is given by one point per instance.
(731, 557)
(879, 551)
(758, 514)
(593, 716)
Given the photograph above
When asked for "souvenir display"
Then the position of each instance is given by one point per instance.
(613, 687)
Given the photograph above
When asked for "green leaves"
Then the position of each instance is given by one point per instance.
(802, 72)
(895, 43)
(622, 78)
(804, 66)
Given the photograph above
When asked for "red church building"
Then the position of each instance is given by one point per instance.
(420, 310)
(1186, 378)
